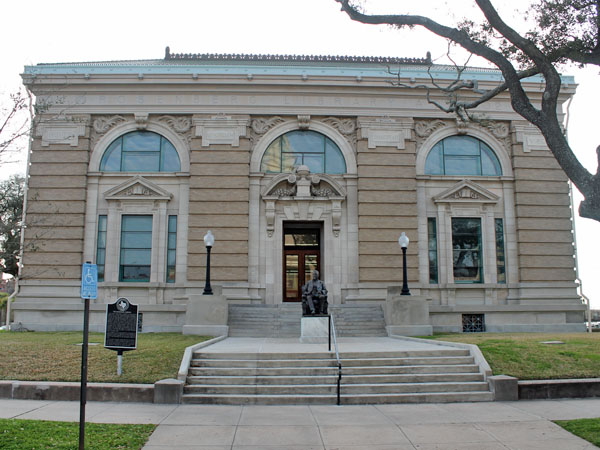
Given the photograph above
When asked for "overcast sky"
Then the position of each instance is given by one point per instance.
(39, 31)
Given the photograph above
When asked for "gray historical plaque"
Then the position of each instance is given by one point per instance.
(121, 325)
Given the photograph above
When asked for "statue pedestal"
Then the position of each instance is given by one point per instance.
(206, 315)
(314, 329)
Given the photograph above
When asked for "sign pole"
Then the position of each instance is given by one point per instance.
(84, 361)
(119, 362)
(89, 290)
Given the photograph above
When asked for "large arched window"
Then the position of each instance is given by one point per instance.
(140, 151)
(308, 148)
(462, 155)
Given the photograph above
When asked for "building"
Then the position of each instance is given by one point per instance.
(294, 163)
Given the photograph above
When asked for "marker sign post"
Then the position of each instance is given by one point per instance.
(121, 328)
(89, 290)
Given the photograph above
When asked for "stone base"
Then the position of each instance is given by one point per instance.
(409, 330)
(168, 391)
(206, 330)
(314, 330)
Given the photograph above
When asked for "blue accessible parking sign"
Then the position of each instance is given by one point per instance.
(89, 281)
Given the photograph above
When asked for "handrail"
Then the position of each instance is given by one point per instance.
(337, 354)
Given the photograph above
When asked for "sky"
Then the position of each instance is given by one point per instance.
(42, 31)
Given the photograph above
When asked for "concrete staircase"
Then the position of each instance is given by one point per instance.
(414, 376)
(284, 320)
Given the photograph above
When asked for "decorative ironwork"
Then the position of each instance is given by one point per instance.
(473, 323)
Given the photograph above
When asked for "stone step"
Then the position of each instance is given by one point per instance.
(366, 399)
(320, 371)
(332, 379)
(347, 389)
(200, 355)
(287, 363)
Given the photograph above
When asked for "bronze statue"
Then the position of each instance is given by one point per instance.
(314, 297)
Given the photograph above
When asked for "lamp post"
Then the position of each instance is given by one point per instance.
(209, 241)
(403, 241)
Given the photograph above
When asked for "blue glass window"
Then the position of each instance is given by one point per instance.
(171, 248)
(462, 155)
(136, 248)
(140, 151)
(308, 148)
(101, 247)
(466, 250)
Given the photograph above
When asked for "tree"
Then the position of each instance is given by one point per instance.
(14, 123)
(564, 31)
(11, 212)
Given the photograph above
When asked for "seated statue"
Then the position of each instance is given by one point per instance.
(314, 297)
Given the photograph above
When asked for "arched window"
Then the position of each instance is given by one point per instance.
(462, 155)
(140, 151)
(308, 148)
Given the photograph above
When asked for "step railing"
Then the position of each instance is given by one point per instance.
(337, 354)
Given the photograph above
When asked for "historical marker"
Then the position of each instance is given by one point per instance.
(121, 325)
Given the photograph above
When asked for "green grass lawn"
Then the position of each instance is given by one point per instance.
(525, 356)
(40, 356)
(588, 429)
(18, 434)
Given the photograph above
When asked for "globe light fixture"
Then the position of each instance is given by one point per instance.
(209, 241)
(403, 241)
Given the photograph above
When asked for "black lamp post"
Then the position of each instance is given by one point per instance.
(209, 241)
(403, 241)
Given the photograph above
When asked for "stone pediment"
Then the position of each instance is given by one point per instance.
(466, 191)
(137, 188)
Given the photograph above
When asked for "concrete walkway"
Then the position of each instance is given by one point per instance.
(522, 425)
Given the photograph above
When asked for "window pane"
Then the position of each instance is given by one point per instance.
(135, 273)
(271, 161)
(461, 145)
(462, 165)
(100, 257)
(500, 256)
(334, 160)
(135, 256)
(433, 261)
(303, 141)
(466, 245)
(141, 162)
(136, 223)
(433, 164)
(314, 163)
(289, 161)
(172, 224)
(170, 157)
(111, 161)
(171, 258)
(291, 276)
(141, 141)
(134, 239)
(489, 162)
(302, 239)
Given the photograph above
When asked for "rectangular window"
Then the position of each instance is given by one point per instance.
(500, 255)
(171, 248)
(466, 250)
(101, 247)
(136, 248)
(433, 252)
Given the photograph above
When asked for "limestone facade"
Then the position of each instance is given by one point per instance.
(221, 115)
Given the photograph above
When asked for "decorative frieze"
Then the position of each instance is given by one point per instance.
(224, 130)
(386, 132)
(63, 130)
(531, 138)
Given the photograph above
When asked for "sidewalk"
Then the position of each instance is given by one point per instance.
(522, 425)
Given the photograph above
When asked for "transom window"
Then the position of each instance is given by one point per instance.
(140, 151)
(308, 148)
(462, 155)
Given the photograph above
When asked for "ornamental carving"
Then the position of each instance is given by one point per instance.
(103, 124)
(178, 124)
(500, 130)
(138, 190)
(347, 127)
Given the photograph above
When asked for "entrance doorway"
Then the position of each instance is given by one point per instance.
(301, 255)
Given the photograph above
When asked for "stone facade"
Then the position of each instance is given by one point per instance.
(221, 115)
